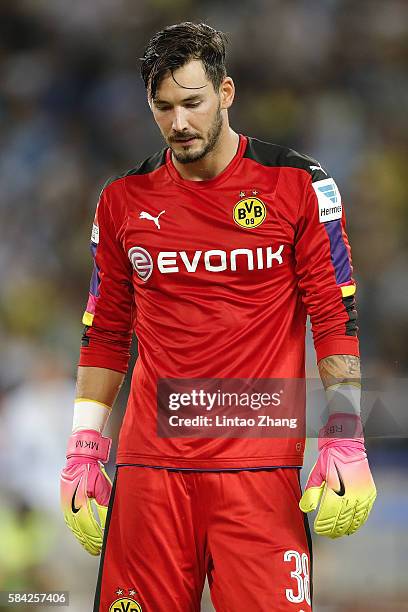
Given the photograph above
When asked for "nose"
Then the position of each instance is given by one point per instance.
(179, 119)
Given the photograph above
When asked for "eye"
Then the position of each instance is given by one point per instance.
(192, 104)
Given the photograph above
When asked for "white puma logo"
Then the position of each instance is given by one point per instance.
(146, 215)
(318, 168)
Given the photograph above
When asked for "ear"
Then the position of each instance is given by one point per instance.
(227, 93)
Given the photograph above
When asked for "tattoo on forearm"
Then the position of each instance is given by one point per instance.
(339, 369)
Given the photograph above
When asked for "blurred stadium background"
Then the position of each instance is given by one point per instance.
(328, 78)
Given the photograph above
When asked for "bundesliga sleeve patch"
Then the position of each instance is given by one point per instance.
(95, 234)
(329, 200)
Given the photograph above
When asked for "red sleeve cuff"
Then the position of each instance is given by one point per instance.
(101, 362)
(337, 346)
(104, 359)
(105, 349)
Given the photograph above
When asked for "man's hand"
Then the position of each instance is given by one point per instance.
(340, 480)
(84, 482)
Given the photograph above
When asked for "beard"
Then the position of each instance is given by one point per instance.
(187, 157)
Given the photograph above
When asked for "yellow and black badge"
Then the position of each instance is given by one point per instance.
(124, 604)
(249, 212)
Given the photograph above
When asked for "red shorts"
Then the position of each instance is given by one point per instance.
(167, 530)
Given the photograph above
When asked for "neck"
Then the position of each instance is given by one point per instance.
(214, 162)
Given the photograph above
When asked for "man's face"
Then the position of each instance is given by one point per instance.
(188, 112)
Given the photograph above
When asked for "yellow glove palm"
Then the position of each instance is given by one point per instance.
(341, 486)
(86, 488)
(82, 514)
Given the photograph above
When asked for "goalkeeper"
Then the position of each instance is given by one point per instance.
(213, 251)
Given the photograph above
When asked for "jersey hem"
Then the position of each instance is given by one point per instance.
(210, 464)
(194, 469)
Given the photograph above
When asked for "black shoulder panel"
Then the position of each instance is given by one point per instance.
(145, 167)
(268, 154)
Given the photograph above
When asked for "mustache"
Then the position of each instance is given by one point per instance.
(182, 137)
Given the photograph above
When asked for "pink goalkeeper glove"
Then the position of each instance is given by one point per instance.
(84, 482)
(340, 479)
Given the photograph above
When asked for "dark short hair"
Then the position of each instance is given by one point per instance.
(176, 45)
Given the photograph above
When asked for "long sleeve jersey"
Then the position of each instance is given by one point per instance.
(216, 278)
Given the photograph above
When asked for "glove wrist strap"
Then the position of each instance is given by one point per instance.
(89, 443)
(341, 428)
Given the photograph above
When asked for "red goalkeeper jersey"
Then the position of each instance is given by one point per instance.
(216, 278)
